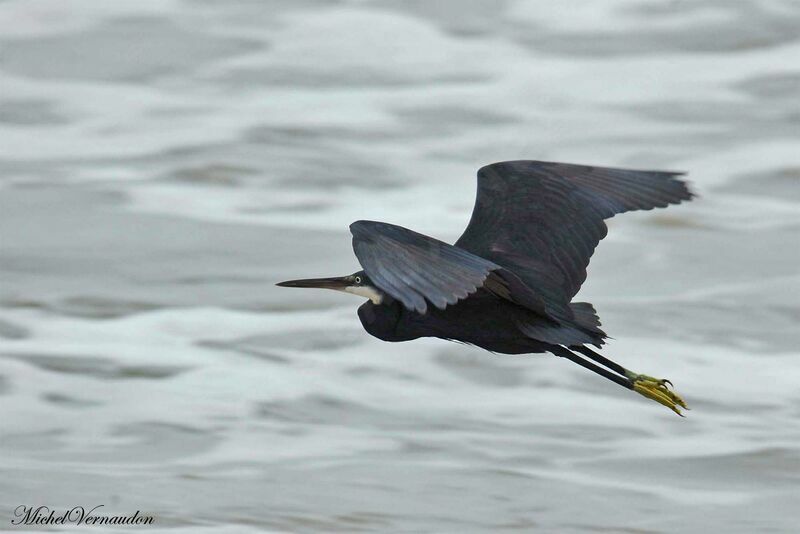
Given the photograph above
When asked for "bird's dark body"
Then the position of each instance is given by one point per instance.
(483, 320)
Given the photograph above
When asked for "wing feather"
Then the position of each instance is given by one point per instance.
(542, 220)
(416, 269)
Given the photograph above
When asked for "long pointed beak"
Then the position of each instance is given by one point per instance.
(322, 283)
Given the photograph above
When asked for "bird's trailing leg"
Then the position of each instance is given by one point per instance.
(568, 354)
(652, 388)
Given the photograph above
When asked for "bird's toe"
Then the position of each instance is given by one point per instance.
(657, 389)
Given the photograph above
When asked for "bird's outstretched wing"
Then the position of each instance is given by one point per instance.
(543, 220)
(416, 269)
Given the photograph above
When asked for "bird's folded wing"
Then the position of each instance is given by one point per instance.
(543, 220)
(416, 269)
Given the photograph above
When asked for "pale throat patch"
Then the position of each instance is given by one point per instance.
(367, 292)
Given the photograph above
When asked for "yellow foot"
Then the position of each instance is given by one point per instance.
(657, 390)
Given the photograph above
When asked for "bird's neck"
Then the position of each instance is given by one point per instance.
(382, 320)
(372, 293)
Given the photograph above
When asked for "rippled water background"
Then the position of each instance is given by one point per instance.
(163, 163)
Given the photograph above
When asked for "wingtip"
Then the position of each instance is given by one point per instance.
(689, 192)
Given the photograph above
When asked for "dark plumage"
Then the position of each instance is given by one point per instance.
(507, 283)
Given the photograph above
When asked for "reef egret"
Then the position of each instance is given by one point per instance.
(507, 284)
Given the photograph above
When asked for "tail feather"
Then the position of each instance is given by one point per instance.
(586, 317)
(583, 329)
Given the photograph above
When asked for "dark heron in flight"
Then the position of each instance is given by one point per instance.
(507, 284)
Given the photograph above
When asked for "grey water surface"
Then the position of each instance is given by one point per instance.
(164, 163)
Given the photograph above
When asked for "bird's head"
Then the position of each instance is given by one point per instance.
(357, 283)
